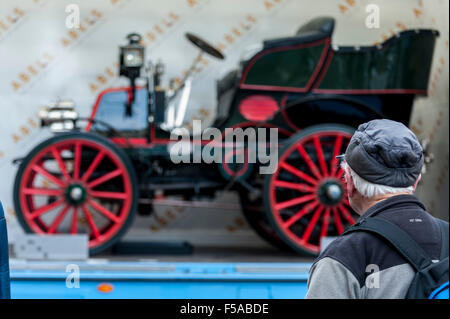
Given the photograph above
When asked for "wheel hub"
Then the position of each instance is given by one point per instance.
(331, 193)
(75, 194)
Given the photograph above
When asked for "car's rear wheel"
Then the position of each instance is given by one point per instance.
(305, 198)
(77, 183)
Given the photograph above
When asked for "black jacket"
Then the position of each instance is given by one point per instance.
(363, 265)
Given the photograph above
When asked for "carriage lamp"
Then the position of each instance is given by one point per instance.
(131, 61)
(60, 116)
(131, 56)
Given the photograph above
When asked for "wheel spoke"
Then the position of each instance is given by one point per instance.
(42, 191)
(297, 186)
(61, 164)
(312, 167)
(346, 214)
(58, 219)
(294, 201)
(105, 178)
(312, 224)
(104, 211)
(336, 152)
(110, 195)
(305, 210)
(47, 175)
(93, 165)
(74, 226)
(325, 222)
(337, 221)
(320, 157)
(90, 221)
(298, 173)
(46, 208)
(77, 164)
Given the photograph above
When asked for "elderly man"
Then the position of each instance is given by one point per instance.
(382, 166)
(4, 262)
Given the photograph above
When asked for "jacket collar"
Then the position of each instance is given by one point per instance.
(391, 202)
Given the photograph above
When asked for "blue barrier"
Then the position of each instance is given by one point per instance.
(150, 280)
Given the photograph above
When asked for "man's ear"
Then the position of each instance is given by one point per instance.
(417, 182)
(351, 186)
(349, 182)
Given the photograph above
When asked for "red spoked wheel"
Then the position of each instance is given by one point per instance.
(306, 197)
(77, 183)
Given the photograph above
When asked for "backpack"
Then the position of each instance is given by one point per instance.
(431, 279)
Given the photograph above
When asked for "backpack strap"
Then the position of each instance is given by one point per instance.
(444, 238)
(403, 243)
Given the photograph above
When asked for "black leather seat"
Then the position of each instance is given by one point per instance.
(314, 30)
(323, 25)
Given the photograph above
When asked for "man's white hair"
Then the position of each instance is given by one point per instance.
(370, 190)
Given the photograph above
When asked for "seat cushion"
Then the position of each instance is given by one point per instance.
(314, 30)
(324, 25)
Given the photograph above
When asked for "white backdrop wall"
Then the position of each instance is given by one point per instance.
(41, 60)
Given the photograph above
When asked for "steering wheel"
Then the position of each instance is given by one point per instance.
(204, 46)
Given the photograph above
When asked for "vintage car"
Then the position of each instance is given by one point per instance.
(93, 179)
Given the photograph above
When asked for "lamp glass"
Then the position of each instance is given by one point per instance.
(133, 57)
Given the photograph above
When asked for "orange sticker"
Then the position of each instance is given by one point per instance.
(105, 287)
